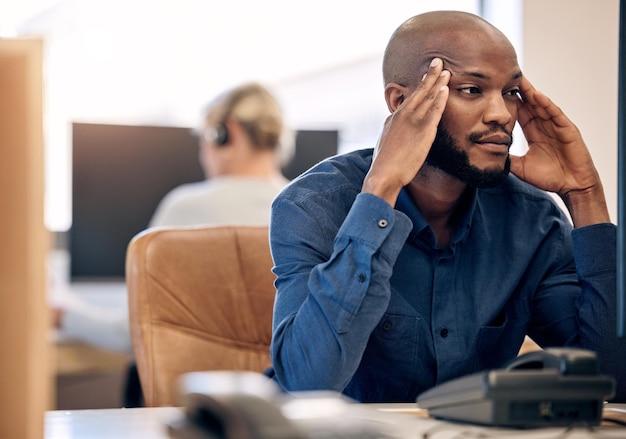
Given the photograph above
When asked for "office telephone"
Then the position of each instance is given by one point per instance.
(552, 387)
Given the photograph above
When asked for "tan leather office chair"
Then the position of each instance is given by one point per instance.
(200, 298)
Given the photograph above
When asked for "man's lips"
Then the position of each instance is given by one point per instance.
(496, 144)
(501, 139)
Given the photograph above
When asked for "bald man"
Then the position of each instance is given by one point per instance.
(432, 255)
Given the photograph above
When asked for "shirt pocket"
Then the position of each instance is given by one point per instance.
(395, 340)
(500, 340)
(389, 364)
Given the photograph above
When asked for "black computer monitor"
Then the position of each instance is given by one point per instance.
(121, 172)
(119, 175)
(311, 146)
(621, 176)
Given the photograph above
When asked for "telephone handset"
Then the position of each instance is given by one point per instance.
(568, 361)
(241, 416)
(224, 404)
(247, 405)
(552, 387)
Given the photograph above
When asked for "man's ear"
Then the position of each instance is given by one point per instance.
(394, 95)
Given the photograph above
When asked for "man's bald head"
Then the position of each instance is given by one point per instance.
(441, 34)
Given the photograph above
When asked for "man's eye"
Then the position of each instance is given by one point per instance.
(469, 90)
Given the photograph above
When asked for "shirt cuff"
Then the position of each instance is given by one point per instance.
(595, 248)
(371, 215)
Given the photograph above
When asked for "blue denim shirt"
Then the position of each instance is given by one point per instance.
(369, 305)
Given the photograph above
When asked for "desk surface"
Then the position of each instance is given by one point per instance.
(148, 423)
(407, 421)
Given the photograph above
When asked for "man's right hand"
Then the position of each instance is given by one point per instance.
(408, 135)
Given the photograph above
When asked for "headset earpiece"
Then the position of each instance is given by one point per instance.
(221, 135)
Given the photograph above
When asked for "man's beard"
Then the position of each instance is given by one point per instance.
(447, 156)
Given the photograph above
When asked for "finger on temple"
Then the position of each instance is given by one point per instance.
(442, 97)
(523, 114)
(529, 99)
(427, 92)
(534, 100)
(526, 89)
(537, 104)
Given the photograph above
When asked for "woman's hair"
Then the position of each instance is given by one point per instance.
(255, 108)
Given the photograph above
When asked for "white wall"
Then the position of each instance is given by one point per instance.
(570, 52)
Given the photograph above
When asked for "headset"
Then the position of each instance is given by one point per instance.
(218, 135)
(221, 135)
(230, 102)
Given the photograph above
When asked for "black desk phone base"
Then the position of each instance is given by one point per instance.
(553, 387)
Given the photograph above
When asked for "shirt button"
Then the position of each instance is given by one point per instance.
(387, 326)
(382, 223)
(362, 278)
(444, 332)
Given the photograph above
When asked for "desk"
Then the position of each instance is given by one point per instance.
(145, 423)
(406, 419)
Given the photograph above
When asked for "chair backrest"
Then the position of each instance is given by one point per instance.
(200, 298)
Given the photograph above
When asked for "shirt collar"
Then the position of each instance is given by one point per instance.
(421, 229)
